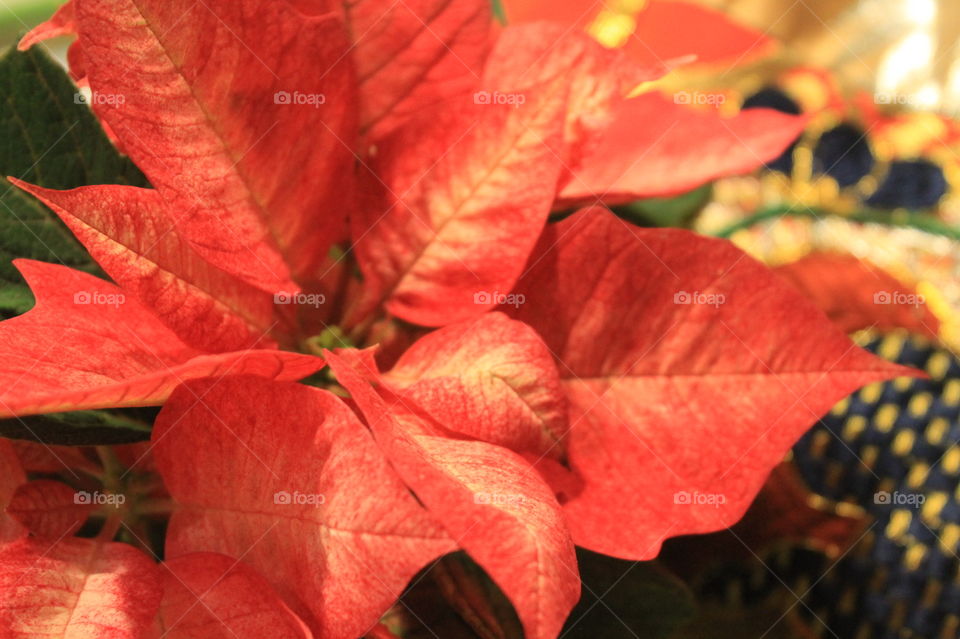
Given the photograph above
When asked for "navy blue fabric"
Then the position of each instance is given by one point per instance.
(913, 184)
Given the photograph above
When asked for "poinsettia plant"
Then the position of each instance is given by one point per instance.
(386, 189)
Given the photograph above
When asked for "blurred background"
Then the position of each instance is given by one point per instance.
(19, 16)
(857, 534)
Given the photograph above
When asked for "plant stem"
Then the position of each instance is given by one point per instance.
(899, 219)
(110, 526)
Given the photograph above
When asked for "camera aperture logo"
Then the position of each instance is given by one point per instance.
(900, 99)
(898, 298)
(498, 98)
(95, 298)
(896, 498)
(699, 98)
(88, 97)
(497, 499)
(96, 498)
(698, 298)
(486, 298)
(696, 498)
(300, 99)
(296, 498)
(300, 299)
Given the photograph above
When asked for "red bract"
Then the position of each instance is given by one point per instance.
(87, 345)
(725, 349)
(670, 136)
(129, 231)
(48, 508)
(487, 497)
(858, 295)
(211, 596)
(11, 477)
(491, 379)
(413, 55)
(588, 382)
(445, 223)
(76, 587)
(288, 479)
(216, 129)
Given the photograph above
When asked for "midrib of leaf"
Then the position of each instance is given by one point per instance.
(454, 214)
(87, 571)
(314, 523)
(424, 24)
(26, 138)
(388, 109)
(237, 310)
(425, 69)
(259, 206)
(523, 400)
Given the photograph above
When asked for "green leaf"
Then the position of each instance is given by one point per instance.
(81, 428)
(27, 229)
(897, 219)
(674, 211)
(627, 599)
(498, 11)
(47, 137)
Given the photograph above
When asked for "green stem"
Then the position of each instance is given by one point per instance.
(111, 468)
(110, 527)
(900, 219)
(498, 12)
